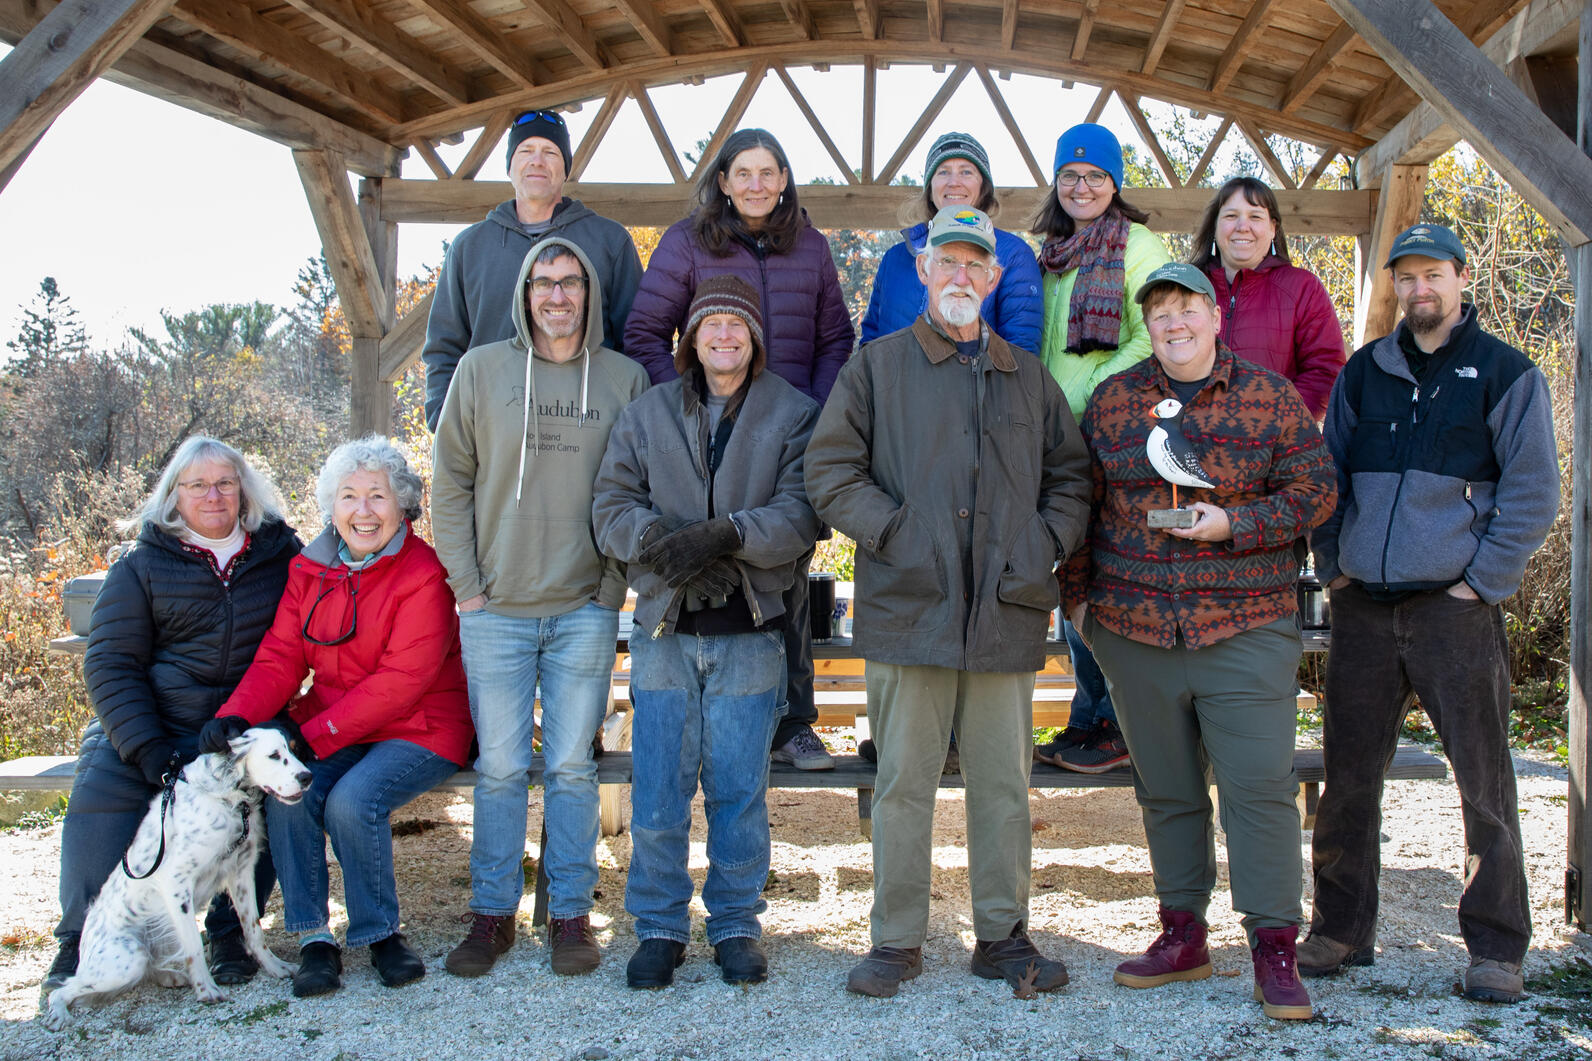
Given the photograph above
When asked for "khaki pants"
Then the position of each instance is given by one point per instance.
(911, 713)
(1228, 709)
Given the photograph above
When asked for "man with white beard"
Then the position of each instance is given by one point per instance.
(953, 461)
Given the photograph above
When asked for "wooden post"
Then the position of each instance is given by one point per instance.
(1403, 193)
(1578, 872)
(371, 391)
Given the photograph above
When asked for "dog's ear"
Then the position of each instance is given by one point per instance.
(240, 746)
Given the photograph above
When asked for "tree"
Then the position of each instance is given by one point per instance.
(50, 330)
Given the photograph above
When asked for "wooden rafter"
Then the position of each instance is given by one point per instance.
(868, 18)
(598, 129)
(71, 46)
(1398, 207)
(490, 134)
(359, 24)
(732, 117)
(1208, 156)
(935, 10)
(1008, 23)
(1322, 162)
(349, 255)
(244, 29)
(726, 21)
(15, 164)
(818, 126)
(1244, 40)
(800, 16)
(1162, 35)
(1080, 39)
(562, 21)
(1268, 158)
(644, 19)
(1310, 76)
(402, 346)
(486, 41)
(919, 127)
(665, 146)
(1005, 113)
(1135, 110)
(870, 90)
(428, 155)
(1098, 107)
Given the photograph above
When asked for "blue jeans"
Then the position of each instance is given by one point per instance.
(706, 706)
(354, 793)
(572, 657)
(1091, 700)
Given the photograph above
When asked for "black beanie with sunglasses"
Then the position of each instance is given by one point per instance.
(549, 125)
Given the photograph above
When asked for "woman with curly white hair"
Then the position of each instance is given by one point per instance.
(368, 611)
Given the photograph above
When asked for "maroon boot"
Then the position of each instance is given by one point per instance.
(1178, 953)
(1277, 984)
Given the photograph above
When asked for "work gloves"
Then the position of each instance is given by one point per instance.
(716, 581)
(679, 556)
(217, 735)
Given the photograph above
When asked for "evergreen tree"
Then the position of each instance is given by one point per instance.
(51, 330)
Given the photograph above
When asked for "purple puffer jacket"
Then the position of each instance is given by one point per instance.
(1280, 317)
(805, 321)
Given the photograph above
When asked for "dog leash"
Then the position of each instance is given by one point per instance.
(167, 792)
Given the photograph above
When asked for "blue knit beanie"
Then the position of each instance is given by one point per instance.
(1091, 143)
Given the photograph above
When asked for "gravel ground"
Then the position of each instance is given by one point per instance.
(1092, 905)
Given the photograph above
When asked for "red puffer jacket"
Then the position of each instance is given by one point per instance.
(1280, 317)
(399, 677)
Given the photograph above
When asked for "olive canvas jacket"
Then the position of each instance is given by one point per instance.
(962, 482)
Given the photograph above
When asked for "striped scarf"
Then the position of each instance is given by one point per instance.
(1094, 318)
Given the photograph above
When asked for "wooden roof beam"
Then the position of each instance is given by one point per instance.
(801, 17)
(1005, 113)
(485, 40)
(429, 156)
(870, 92)
(936, 15)
(485, 141)
(1507, 129)
(1268, 158)
(1098, 107)
(360, 26)
(403, 346)
(644, 19)
(732, 117)
(68, 48)
(868, 18)
(1136, 115)
(818, 126)
(1008, 23)
(1303, 84)
(919, 127)
(349, 254)
(1244, 40)
(246, 30)
(1208, 156)
(1397, 208)
(562, 21)
(1322, 162)
(1162, 35)
(1080, 39)
(660, 135)
(598, 129)
(726, 21)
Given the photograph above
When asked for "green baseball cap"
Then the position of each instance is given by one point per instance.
(1181, 274)
(962, 224)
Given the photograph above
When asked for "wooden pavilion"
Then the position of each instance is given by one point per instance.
(352, 85)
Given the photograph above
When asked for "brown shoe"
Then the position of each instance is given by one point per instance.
(1178, 953)
(575, 951)
(1324, 956)
(1018, 962)
(1492, 980)
(489, 936)
(1277, 985)
(881, 972)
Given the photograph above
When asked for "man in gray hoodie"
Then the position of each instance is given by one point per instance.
(473, 303)
(518, 445)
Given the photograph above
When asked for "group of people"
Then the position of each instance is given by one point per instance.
(691, 430)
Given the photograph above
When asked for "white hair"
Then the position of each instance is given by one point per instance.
(258, 498)
(373, 453)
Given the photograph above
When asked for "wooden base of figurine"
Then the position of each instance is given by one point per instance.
(1162, 518)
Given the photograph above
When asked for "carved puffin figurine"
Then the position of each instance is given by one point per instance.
(1170, 453)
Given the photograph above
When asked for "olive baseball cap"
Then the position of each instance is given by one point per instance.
(1432, 241)
(1181, 274)
(962, 224)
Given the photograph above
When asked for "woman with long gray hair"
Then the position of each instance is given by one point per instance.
(171, 634)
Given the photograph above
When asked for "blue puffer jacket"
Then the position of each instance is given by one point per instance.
(1015, 309)
(805, 322)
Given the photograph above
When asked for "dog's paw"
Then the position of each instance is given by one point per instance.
(54, 1016)
(209, 994)
(278, 968)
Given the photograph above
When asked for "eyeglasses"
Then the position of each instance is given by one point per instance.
(540, 116)
(571, 286)
(325, 591)
(976, 270)
(198, 488)
(1094, 178)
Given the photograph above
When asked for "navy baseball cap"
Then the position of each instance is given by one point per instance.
(1432, 241)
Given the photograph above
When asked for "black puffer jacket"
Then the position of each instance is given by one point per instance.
(169, 641)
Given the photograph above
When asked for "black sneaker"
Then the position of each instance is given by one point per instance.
(804, 751)
(1106, 750)
(64, 967)
(1068, 739)
(230, 960)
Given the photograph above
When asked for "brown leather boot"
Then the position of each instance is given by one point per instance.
(1017, 961)
(1277, 984)
(575, 950)
(489, 936)
(1178, 953)
(881, 972)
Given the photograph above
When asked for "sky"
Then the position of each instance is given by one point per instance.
(136, 205)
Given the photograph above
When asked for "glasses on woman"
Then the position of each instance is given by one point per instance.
(976, 270)
(571, 286)
(324, 591)
(198, 488)
(1070, 178)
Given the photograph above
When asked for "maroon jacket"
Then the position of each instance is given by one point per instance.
(400, 677)
(806, 326)
(1279, 316)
